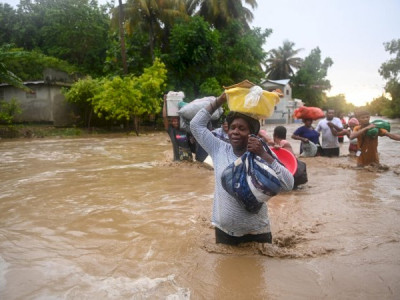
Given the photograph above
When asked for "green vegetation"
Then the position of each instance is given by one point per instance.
(126, 52)
(390, 71)
(8, 111)
(309, 83)
(120, 98)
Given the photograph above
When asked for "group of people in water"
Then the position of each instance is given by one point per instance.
(239, 134)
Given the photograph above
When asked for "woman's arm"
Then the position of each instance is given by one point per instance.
(361, 131)
(214, 105)
(165, 118)
(297, 137)
(393, 136)
(288, 147)
(199, 129)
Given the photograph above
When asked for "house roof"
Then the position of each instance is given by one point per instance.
(279, 82)
(40, 82)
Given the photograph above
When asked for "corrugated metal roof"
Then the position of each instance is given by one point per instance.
(280, 82)
(56, 83)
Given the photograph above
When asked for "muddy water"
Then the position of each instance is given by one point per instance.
(112, 218)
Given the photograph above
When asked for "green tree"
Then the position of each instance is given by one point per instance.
(339, 104)
(153, 17)
(29, 65)
(131, 97)
(210, 86)
(390, 71)
(6, 74)
(72, 30)
(8, 18)
(82, 95)
(8, 110)
(309, 83)
(379, 106)
(240, 54)
(221, 12)
(136, 53)
(194, 49)
(282, 62)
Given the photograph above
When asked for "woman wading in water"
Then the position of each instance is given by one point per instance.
(233, 223)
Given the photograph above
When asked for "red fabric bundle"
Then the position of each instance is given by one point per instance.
(304, 112)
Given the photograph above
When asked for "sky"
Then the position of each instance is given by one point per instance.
(350, 32)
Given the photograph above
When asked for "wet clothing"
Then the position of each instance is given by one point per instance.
(330, 152)
(223, 238)
(228, 214)
(329, 142)
(341, 137)
(180, 144)
(353, 146)
(308, 133)
(368, 147)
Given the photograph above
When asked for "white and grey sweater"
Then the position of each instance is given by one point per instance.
(228, 214)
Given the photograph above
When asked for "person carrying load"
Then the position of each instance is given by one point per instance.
(234, 222)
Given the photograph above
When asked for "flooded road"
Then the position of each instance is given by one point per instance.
(112, 218)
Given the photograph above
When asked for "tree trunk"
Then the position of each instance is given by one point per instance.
(136, 121)
(122, 38)
(151, 41)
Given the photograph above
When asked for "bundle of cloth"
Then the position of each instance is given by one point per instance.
(251, 181)
(379, 124)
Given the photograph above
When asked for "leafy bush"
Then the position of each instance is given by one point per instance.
(8, 111)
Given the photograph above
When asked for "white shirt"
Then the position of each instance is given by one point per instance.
(328, 139)
(228, 214)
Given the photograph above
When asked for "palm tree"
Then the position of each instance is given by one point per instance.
(281, 62)
(153, 17)
(220, 12)
(122, 36)
(6, 76)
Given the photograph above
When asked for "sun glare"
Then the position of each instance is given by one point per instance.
(359, 97)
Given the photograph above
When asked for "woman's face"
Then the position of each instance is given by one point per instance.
(238, 133)
(175, 123)
(364, 120)
(225, 126)
(307, 122)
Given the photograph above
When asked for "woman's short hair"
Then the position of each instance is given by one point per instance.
(254, 125)
(361, 112)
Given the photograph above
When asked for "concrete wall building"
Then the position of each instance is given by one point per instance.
(44, 103)
(283, 113)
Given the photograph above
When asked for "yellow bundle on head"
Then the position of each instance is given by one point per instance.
(250, 99)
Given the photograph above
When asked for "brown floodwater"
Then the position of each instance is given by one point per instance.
(110, 217)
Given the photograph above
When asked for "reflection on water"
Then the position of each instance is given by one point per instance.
(113, 218)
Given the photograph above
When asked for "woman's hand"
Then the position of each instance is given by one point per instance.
(221, 99)
(214, 105)
(255, 146)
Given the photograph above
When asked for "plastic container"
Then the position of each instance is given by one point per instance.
(287, 158)
(172, 101)
(249, 99)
